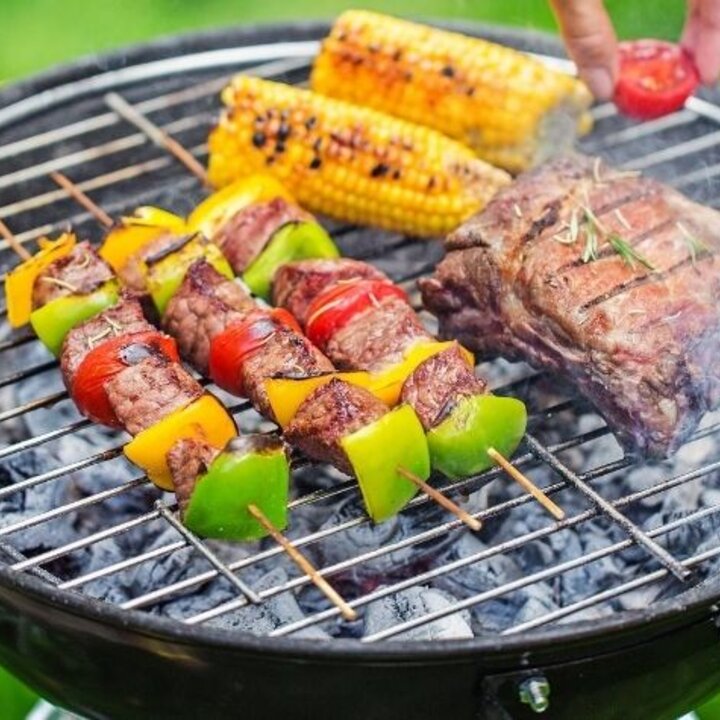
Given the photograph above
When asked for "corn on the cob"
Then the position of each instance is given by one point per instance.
(510, 108)
(349, 162)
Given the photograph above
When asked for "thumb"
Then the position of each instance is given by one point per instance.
(590, 40)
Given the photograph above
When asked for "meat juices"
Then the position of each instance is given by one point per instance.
(637, 330)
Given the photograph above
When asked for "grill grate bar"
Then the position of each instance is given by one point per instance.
(323, 495)
(672, 152)
(32, 442)
(69, 507)
(43, 402)
(513, 544)
(247, 592)
(28, 373)
(16, 342)
(54, 474)
(608, 509)
(49, 555)
(518, 584)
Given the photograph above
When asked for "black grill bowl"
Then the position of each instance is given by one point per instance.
(102, 662)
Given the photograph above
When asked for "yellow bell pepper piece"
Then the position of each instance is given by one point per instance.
(19, 283)
(206, 418)
(286, 395)
(135, 232)
(388, 384)
(210, 215)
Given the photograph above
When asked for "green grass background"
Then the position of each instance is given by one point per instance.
(39, 33)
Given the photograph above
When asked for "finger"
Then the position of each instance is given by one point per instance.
(701, 37)
(591, 42)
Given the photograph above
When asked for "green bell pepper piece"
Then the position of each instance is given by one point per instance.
(376, 452)
(459, 444)
(166, 275)
(293, 241)
(252, 470)
(52, 322)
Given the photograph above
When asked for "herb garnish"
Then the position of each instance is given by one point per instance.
(695, 246)
(627, 252)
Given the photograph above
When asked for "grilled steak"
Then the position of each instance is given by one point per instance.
(634, 321)
(244, 236)
(188, 459)
(297, 284)
(328, 414)
(146, 392)
(203, 307)
(124, 318)
(379, 336)
(79, 272)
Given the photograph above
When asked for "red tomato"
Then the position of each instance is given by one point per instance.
(656, 78)
(230, 349)
(332, 309)
(108, 359)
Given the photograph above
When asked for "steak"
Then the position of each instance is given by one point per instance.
(124, 318)
(605, 277)
(331, 412)
(134, 272)
(144, 393)
(77, 273)
(188, 459)
(244, 236)
(205, 304)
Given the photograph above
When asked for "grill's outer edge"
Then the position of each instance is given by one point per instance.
(559, 643)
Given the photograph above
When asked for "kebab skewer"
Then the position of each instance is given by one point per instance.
(241, 344)
(124, 373)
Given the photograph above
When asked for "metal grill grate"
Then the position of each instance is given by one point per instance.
(121, 169)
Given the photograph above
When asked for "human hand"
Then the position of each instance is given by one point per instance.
(591, 41)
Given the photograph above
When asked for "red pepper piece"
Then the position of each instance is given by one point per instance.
(656, 78)
(333, 308)
(230, 349)
(107, 360)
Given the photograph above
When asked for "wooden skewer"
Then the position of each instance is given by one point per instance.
(556, 511)
(123, 108)
(304, 564)
(442, 500)
(13, 242)
(81, 198)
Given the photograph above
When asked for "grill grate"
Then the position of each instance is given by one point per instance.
(121, 169)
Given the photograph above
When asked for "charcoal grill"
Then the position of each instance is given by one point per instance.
(109, 660)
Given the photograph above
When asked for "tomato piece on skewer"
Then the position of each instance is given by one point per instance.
(656, 78)
(108, 359)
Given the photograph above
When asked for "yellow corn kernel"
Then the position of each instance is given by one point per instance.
(347, 161)
(510, 108)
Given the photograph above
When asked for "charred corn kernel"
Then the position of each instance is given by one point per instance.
(20, 281)
(349, 162)
(513, 110)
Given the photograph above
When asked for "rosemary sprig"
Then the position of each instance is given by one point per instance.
(591, 243)
(695, 246)
(627, 252)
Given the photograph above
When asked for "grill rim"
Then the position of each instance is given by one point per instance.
(565, 641)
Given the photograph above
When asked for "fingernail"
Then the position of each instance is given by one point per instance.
(599, 81)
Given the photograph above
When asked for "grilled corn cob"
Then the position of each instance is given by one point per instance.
(510, 108)
(349, 162)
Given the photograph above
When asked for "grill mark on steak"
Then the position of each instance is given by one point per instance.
(646, 279)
